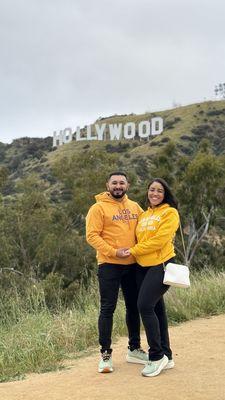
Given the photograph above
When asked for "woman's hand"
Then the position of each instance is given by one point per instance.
(123, 252)
(127, 253)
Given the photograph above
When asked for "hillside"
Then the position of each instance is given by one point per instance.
(47, 191)
(185, 127)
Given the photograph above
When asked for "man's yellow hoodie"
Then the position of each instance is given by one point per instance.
(110, 225)
(155, 233)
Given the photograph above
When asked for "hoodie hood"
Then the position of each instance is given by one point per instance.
(159, 208)
(106, 197)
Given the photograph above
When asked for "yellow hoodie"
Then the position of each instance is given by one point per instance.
(155, 233)
(111, 224)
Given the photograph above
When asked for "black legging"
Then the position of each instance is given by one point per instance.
(152, 309)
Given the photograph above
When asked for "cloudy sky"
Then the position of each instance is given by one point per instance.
(67, 62)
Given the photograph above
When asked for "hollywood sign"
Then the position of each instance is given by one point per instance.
(144, 129)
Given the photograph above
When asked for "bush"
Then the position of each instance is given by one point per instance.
(201, 130)
(187, 137)
(215, 112)
(120, 148)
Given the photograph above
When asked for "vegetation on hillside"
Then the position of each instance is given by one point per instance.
(46, 193)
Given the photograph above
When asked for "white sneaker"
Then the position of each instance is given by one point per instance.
(170, 364)
(153, 368)
(137, 356)
(105, 365)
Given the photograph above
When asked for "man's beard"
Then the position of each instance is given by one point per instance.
(117, 194)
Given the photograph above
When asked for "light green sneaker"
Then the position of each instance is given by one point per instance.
(105, 365)
(137, 356)
(170, 365)
(153, 368)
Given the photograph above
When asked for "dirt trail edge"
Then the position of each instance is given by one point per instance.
(199, 373)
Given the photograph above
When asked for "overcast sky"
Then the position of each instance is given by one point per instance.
(67, 62)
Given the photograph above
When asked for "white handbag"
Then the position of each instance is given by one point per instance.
(176, 275)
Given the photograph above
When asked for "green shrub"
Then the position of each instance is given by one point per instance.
(38, 340)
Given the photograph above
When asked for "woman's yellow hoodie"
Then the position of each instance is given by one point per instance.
(155, 233)
(110, 225)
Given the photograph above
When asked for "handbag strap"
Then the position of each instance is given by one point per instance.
(182, 238)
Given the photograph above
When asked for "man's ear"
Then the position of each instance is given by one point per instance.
(107, 186)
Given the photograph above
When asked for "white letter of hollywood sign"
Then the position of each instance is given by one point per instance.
(116, 131)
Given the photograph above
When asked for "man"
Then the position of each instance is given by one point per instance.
(110, 227)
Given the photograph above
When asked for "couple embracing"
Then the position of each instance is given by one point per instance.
(132, 248)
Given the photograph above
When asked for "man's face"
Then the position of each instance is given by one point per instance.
(117, 186)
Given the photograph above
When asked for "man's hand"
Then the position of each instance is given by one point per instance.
(123, 252)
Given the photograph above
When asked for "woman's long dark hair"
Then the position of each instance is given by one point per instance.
(168, 196)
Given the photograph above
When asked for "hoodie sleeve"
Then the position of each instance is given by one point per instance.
(165, 232)
(94, 226)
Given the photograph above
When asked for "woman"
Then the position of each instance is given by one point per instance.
(155, 234)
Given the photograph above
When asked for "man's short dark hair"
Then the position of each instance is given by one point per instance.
(117, 173)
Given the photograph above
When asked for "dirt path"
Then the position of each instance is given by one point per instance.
(199, 374)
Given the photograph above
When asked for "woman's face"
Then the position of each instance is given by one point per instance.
(155, 194)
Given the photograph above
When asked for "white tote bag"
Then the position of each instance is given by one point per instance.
(176, 275)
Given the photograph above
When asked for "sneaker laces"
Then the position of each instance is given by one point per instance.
(106, 356)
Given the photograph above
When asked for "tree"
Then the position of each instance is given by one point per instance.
(85, 175)
(198, 192)
(165, 161)
(3, 177)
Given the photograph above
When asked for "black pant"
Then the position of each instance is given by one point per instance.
(111, 277)
(152, 309)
